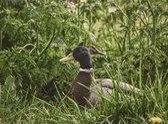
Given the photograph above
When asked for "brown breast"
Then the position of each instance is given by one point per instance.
(81, 88)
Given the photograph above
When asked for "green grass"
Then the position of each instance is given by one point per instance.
(114, 109)
(34, 35)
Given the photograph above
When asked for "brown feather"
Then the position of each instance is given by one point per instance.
(81, 88)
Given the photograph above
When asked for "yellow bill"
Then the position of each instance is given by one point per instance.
(69, 57)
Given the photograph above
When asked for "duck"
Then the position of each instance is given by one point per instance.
(86, 90)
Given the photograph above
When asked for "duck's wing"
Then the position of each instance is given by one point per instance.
(98, 91)
(105, 88)
(105, 83)
(128, 87)
(122, 85)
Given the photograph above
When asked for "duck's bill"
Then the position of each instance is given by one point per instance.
(69, 57)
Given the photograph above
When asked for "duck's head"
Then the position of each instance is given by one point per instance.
(82, 54)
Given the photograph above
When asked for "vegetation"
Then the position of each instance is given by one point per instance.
(35, 34)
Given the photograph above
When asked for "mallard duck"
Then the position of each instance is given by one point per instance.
(85, 89)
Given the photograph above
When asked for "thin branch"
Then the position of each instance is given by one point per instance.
(48, 44)
(1, 40)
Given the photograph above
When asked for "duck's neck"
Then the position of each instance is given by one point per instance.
(86, 64)
(81, 87)
(84, 77)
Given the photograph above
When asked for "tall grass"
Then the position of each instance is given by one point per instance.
(34, 35)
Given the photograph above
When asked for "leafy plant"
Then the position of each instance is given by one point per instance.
(35, 34)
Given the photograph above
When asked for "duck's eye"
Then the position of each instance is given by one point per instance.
(80, 50)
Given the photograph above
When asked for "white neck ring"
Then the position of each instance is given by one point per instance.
(86, 70)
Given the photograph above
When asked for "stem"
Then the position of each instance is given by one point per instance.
(154, 19)
(140, 71)
(0, 40)
(129, 31)
(48, 44)
(154, 30)
(150, 7)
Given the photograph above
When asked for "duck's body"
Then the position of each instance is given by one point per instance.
(101, 88)
(81, 88)
(89, 91)
(86, 91)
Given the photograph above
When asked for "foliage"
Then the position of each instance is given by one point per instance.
(35, 34)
